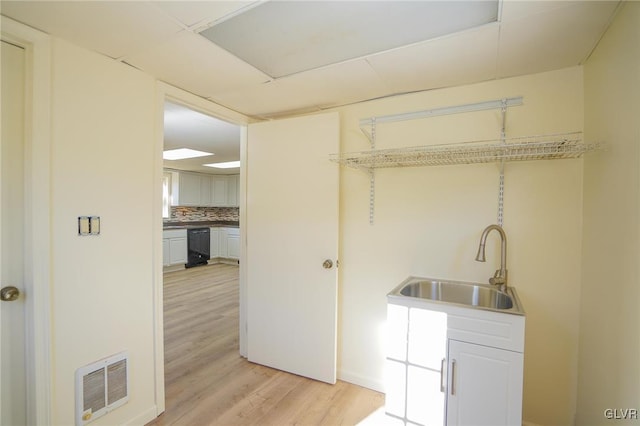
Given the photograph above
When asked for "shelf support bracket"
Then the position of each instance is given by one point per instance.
(372, 173)
(503, 141)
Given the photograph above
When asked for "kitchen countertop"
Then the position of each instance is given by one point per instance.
(200, 224)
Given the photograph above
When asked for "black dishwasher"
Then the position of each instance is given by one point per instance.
(198, 247)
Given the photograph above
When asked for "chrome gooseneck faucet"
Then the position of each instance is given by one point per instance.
(500, 277)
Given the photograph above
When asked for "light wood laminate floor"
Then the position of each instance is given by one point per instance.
(207, 382)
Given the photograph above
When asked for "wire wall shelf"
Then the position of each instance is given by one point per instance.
(542, 147)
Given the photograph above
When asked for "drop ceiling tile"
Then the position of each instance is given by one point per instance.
(112, 28)
(195, 13)
(259, 100)
(312, 90)
(518, 9)
(337, 84)
(552, 40)
(193, 63)
(462, 58)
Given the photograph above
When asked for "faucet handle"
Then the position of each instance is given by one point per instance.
(497, 280)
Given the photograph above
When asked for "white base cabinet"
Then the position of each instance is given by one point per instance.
(485, 385)
(225, 243)
(174, 247)
(450, 365)
(214, 243)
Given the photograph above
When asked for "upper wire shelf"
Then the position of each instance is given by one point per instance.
(542, 147)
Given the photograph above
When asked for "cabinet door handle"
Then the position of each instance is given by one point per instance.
(443, 365)
(453, 377)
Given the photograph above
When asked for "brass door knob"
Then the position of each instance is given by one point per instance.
(9, 294)
(327, 264)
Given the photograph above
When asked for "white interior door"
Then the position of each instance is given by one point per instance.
(12, 317)
(292, 229)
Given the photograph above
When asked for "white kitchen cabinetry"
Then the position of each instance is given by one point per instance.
(190, 189)
(203, 190)
(485, 385)
(233, 243)
(219, 187)
(225, 243)
(233, 186)
(174, 246)
(450, 365)
(214, 243)
(166, 256)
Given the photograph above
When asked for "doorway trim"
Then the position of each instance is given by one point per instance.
(37, 234)
(166, 92)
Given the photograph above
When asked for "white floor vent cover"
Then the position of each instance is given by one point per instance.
(101, 387)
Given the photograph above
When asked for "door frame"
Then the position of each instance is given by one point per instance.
(166, 92)
(37, 235)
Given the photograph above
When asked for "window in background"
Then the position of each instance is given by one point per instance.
(166, 194)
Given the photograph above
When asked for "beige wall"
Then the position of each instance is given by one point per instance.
(428, 222)
(102, 152)
(609, 368)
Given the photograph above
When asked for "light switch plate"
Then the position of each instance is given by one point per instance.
(88, 225)
(94, 225)
(83, 225)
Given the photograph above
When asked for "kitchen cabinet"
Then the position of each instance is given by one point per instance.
(190, 189)
(452, 365)
(166, 256)
(214, 242)
(225, 243)
(204, 190)
(233, 243)
(219, 187)
(233, 186)
(484, 386)
(174, 247)
(225, 191)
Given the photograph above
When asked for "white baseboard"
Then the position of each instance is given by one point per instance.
(144, 417)
(365, 382)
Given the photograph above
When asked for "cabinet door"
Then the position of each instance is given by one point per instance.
(214, 249)
(232, 190)
(205, 190)
(189, 194)
(233, 247)
(166, 255)
(178, 250)
(219, 191)
(223, 243)
(485, 385)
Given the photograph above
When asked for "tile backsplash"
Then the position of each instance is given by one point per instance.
(195, 214)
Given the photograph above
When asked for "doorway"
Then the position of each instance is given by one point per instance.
(190, 122)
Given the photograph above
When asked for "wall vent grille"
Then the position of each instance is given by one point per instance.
(101, 387)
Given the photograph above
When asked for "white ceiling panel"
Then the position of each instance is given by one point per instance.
(114, 29)
(322, 88)
(463, 58)
(262, 100)
(161, 38)
(196, 13)
(195, 64)
(518, 9)
(336, 85)
(554, 39)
